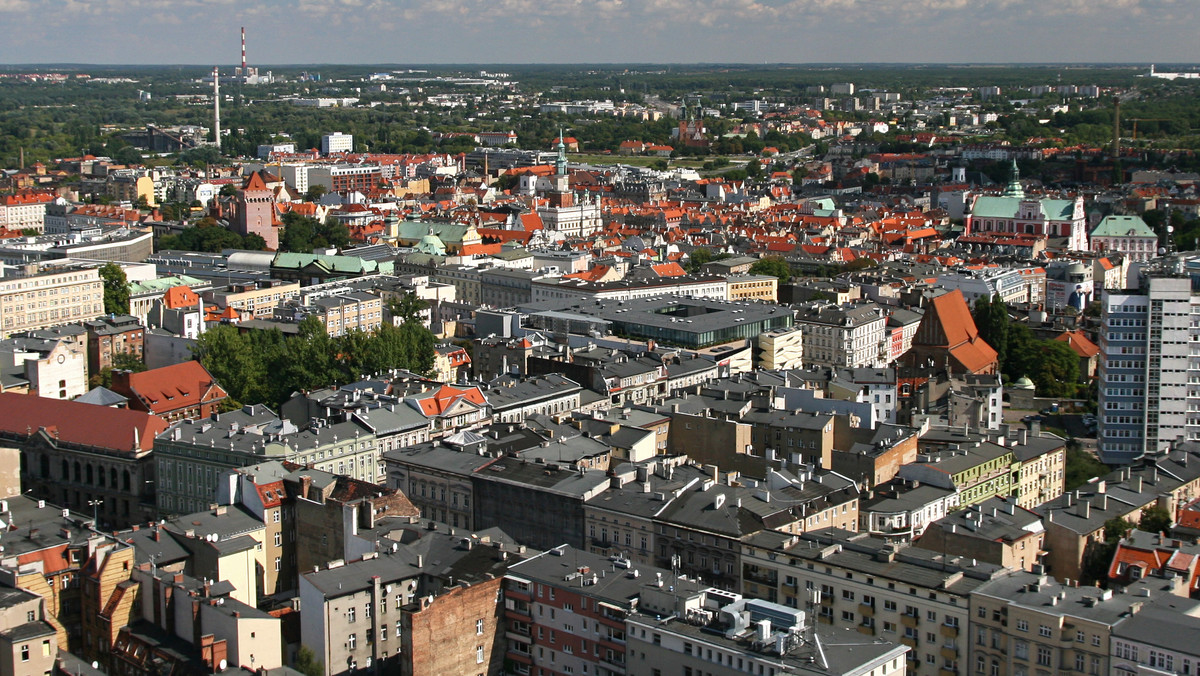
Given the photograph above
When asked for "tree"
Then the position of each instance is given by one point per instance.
(116, 289)
(1057, 371)
(1081, 466)
(773, 266)
(1117, 528)
(407, 308)
(228, 190)
(307, 662)
(1155, 520)
(128, 155)
(315, 192)
(122, 361)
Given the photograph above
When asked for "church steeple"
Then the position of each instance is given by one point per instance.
(1014, 188)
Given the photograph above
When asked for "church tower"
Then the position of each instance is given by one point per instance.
(561, 195)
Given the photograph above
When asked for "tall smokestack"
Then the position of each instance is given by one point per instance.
(217, 106)
(243, 50)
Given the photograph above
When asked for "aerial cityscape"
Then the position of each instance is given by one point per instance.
(609, 359)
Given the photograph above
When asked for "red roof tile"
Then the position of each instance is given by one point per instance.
(79, 423)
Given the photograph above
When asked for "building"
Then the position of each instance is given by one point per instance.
(254, 211)
(255, 299)
(850, 335)
(780, 349)
(1146, 367)
(996, 530)
(192, 455)
(1159, 638)
(1014, 212)
(1075, 521)
(47, 294)
(1127, 236)
(28, 643)
(337, 142)
(47, 367)
(1028, 623)
(753, 287)
(24, 211)
(90, 458)
(182, 391)
(429, 604)
(948, 338)
(111, 336)
(883, 591)
(978, 472)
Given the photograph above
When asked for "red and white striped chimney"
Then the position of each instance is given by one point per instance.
(243, 50)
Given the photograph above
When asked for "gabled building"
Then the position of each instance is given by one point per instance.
(185, 391)
(948, 338)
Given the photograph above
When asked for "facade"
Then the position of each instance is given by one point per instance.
(1146, 400)
(861, 583)
(781, 349)
(843, 335)
(1127, 236)
(996, 531)
(45, 295)
(28, 644)
(1014, 212)
(82, 456)
(184, 391)
(257, 299)
(25, 211)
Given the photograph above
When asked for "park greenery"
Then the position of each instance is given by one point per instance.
(772, 266)
(1051, 364)
(266, 367)
(208, 235)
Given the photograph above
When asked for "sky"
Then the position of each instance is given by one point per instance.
(598, 31)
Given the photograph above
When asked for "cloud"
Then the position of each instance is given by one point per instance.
(346, 31)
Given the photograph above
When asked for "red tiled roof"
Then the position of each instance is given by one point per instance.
(1079, 342)
(171, 388)
(79, 423)
(437, 402)
(180, 296)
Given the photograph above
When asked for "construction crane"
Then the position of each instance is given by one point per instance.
(1135, 121)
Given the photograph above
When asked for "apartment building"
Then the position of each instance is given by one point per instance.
(1148, 372)
(997, 531)
(24, 211)
(47, 294)
(753, 287)
(1027, 623)
(860, 582)
(256, 299)
(28, 643)
(850, 335)
(192, 455)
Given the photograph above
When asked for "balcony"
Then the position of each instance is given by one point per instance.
(825, 619)
(948, 631)
(864, 629)
(910, 641)
(949, 653)
(911, 621)
(866, 609)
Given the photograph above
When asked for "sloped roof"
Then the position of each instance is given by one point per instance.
(948, 324)
(1079, 342)
(180, 296)
(1123, 226)
(171, 388)
(79, 423)
(437, 402)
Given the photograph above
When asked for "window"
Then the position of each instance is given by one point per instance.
(1043, 630)
(24, 653)
(1021, 650)
(1022, 625)
(278, 539)
(350, 614)
(1043, 656)
(479, 627)
(367, 610)
(478, 654)
(352, 641)
(278, 564)
(275, 516)
(1080, 663)
(889, 605)
(982, 613)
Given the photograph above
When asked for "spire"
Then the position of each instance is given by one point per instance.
(560, 164)
(1014, 188)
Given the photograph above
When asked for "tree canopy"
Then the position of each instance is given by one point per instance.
(207, 235)
(303, 234)
(116, 289)
(258, 367)
(773, 266)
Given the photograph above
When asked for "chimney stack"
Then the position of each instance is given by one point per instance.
(243, 51)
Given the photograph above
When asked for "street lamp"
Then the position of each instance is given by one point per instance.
(95, 504)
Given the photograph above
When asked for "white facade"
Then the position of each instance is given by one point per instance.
(578, 220)
(337, 142)
(1147, 369)
(19, 212)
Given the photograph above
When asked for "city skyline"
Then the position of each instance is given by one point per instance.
(603, 31)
